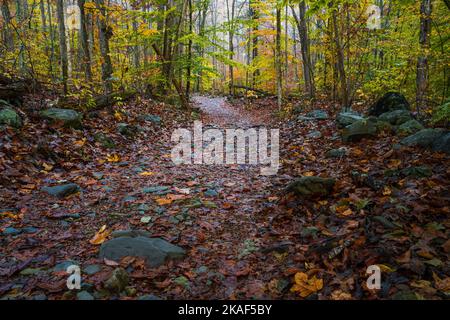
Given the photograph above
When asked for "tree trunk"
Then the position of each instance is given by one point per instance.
(278, 57)
(304, 42)
(188, 72)
(422, 63)
(340, 63)
(62, 43)
(84, 42)
(7, 32)
(104, 35)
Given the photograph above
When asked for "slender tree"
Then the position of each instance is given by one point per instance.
(84, 42)
(62, 43)
(422, 62)
(104, 34)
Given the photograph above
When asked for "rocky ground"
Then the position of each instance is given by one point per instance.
(351, 192)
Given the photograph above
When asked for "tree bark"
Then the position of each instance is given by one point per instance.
(7, 32)
(304, 43)
(62, 43)
(422, 62)
(84, 42)
(104, 35)
(340, 63)
(278, 57)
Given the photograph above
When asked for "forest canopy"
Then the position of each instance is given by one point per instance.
(343, 50)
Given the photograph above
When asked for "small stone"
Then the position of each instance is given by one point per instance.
(442, 144)
(311, 186)
(118, 281)
(156, 189)
(314, 135)
(62, 191)
(62, 266)
(11, 231)
(211, 193)
(30, 230)
(151, 118)
(84, 295)
(337, 153)
(92, 269)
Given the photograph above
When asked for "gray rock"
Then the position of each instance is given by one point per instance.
(156, 189)
(104, 140)
(314, 135)
(424, 138)
(155, 250)
(70, 118)
(337, 153)
(211, 193)
(442, 144)
(62, 191)
(151, 118)
(118, 281)
(130, 233)
(84, 295)
(409, 127)
(311, 186)
(11, 231)
(92, 269)
(62, 266)
(396, 117)
(10, 117)
(359, 130)
(389, 102)
(382, 126)
(345, 119)
(315, 115)
(417, 172)
(127, 130)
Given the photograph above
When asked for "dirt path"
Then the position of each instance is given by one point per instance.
(215, 216)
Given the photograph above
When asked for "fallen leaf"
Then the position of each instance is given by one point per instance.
(100, 236)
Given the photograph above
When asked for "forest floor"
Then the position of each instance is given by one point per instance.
(245, 237)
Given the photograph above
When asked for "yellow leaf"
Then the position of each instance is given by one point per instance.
(309, 174)
(100, 236)
(47, 167)
(80, 143)
(387, 191)
(305, 286)
(146, 173)
(163, 201)
(113, 158)
(118, 116)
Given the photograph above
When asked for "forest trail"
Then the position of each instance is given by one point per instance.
(218, 111)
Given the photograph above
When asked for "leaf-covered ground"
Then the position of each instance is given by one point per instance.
(245, 237)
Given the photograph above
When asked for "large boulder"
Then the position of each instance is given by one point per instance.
(442, 144)
(311, 186)
(345, 119)
(156, 251)
(10, 117)
(358, 130)
(409, 127)
(63, 190)
(389, 102)
(315, 115)
(396, 117)
(69, 118)
(424, 138)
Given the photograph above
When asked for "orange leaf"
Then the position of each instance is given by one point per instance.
(100, 236)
